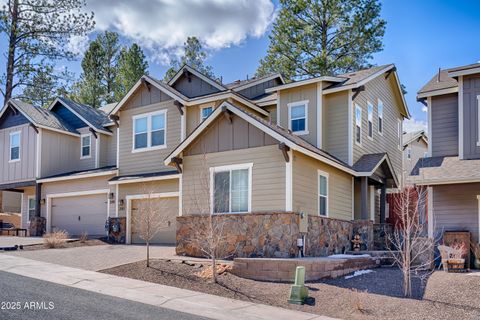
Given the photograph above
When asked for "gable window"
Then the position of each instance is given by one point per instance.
(370, 119)
(15, 146)
(149, 131)
(86, 147)
(298, 117)
(380, 116)
(231, 188)
(409, 153)
(205, 112)
(358, 124)
(322, 193)
(31, 208)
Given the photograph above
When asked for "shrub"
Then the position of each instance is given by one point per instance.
(55, 239)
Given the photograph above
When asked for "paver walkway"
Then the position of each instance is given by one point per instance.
(192, 302)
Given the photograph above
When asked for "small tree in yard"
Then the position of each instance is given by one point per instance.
(411, 248)
(149, 219)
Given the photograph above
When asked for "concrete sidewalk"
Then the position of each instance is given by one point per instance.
(192, 302)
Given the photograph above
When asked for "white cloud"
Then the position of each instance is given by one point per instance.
(162, 26)
(424, 109)
(413, 124)
(78, 44)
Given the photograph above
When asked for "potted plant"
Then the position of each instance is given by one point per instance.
(475, 248)
(456, 260)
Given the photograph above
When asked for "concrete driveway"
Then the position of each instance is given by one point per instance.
(10, 241)
(97, 257)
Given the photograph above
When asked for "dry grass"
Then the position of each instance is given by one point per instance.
(55, 239)
(83, 237)
(357, 301)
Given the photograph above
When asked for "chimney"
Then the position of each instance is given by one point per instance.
(438, 75)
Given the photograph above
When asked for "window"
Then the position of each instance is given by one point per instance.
(358, 124)
(380, 116)
(399, 133)
(322, 193)
(15, 146)
(149, 131)
(231, 188)
(86, 146)
(370, 119)
(205, 112)
(409, 153)
(31, 208)
(297, 117)
(478, 121)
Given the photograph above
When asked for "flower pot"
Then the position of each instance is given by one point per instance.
(456, 265)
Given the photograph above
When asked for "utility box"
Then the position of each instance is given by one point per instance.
(303, 222)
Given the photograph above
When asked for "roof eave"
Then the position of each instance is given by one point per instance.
(439, 92)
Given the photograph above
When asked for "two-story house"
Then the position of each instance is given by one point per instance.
(415, 147)
(451, 172)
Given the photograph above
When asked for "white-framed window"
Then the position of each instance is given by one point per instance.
(358, 124)
(409, 153)
(231, 188)
(31, 207)
(322, 193)
(370, 119)
(149, 131)
(15, 138)
(380, 116)
(478, 121)
(298, 117)
(86, 146)
(399, 133)
(205, 112)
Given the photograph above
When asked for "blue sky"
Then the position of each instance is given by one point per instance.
(421, 36)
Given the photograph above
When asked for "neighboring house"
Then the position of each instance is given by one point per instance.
(415, 147)
(327, 146)
(452, 170)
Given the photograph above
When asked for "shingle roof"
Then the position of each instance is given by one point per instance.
(368, 162)
(42, 117)
(435, 169)
(444, 81)
(144, 175)
(410, 136)
(238, 83)
(94, 117)
(357, 76)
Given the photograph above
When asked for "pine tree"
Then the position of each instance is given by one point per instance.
(323, 37)
(132, 64)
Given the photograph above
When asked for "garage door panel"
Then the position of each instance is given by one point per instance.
(80, 214)
(168, 209)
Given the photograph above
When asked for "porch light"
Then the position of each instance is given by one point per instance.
(42, 201)
(120, 202)
(111, 196)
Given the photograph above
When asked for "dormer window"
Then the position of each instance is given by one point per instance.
(15, 146)
(298, 117)
(205, 112)
(86, 147)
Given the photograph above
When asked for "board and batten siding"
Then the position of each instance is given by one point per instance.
(268, 178)
(388, 141)
(305, 188)
(444, 124)
(60, 153)
(193, 86)
(455, 207)
(89, 162)
(108, 148)
(471, 127)
(335, 124)
(307, 92)
(23, 170)
(150, 160)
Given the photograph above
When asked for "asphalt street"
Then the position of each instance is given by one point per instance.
(26, 298)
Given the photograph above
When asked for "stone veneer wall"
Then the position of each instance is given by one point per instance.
(365, 229)
(268, 235)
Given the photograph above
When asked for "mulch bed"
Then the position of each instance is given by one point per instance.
(68, 244)
(376, 295)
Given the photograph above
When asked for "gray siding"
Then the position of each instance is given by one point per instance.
(471, 134)
(259, 89)
(23, 170)
(60, 153)
(418, 149)
(193, 88)
(108, 148)
(455, 207)
(335, 124)
(87, 163)
(225, 136)
(444, 124)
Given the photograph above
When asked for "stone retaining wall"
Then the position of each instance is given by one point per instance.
(327, 236)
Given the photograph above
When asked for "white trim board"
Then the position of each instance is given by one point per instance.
(80, 176)
(258, 81)
(140, 180)
(438, 92)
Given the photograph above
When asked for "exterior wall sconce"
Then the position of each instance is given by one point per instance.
(120, 202)
(42, 201)
(111, 196)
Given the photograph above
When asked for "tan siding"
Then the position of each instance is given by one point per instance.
(23, 170)
(305, 188)
(144, 97)
(193, 115)
(170, 185)
(383, 89)
(308, 92)
(108, 148)
(268, 178)
(147, 161)
(335, 124)
(87, 163)
(273, 113)
(60, 153)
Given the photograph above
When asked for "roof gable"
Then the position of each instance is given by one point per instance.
(11, 118)
(187, 70)
(66, 115)
(192, 85)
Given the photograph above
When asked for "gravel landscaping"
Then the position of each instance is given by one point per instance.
(376, 295)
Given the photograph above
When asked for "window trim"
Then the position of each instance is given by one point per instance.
(380, 116)
(89, 135)
(28, 206)
(357, 107)
(149, 116)
(298, 104)
(201, 112)
(10, 160)
(478, 120)
(326, 175)
(369, 119)
(229, 168)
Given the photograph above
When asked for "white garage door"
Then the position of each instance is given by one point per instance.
(166, 209)
(80, 214)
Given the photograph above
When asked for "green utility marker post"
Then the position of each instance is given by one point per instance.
(298, 292)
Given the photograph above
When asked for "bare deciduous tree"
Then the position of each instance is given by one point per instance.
(150, 218)
(409, 243)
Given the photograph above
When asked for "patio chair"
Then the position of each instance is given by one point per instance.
(445, 255)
